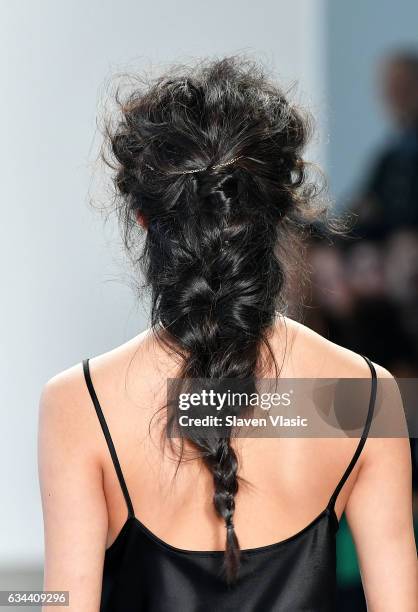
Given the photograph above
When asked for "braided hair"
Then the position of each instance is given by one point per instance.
(214, 250)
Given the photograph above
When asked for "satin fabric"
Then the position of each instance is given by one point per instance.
(142, 573)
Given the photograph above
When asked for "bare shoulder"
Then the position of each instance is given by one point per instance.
(65, 403)
(61, 395)
(310, 354)
(65, 421)
(68, 386)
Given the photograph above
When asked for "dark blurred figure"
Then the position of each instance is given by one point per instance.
(353, 303)
(389, 198)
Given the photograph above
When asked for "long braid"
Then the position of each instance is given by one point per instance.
(215, 238)
(213, 303)
(224, 466)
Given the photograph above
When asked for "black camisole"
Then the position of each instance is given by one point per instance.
(142, 573)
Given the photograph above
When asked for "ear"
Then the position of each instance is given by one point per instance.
(141, 219)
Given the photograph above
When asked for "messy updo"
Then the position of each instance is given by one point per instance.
(217, 239)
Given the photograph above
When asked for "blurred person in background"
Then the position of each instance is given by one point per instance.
(375, 310)
(389, 198)
(351, 303)
(402, 277)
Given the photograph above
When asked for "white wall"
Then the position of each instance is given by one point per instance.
(358, 32)
(63, 296)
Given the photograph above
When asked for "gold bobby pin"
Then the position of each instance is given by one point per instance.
(231, 161)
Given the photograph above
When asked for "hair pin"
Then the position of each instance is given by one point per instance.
(231, 161)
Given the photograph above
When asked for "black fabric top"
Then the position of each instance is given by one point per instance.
(142, 573)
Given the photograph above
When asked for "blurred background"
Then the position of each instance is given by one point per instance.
(66, 286)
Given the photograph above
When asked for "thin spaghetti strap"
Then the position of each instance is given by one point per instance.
(109, 441)
(363, 438)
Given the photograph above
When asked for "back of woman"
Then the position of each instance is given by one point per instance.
(213, 192)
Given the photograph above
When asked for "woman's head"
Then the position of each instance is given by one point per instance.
(210, 159)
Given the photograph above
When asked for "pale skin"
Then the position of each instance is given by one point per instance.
(84, 508)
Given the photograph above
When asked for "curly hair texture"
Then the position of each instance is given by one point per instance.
(217, 240)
